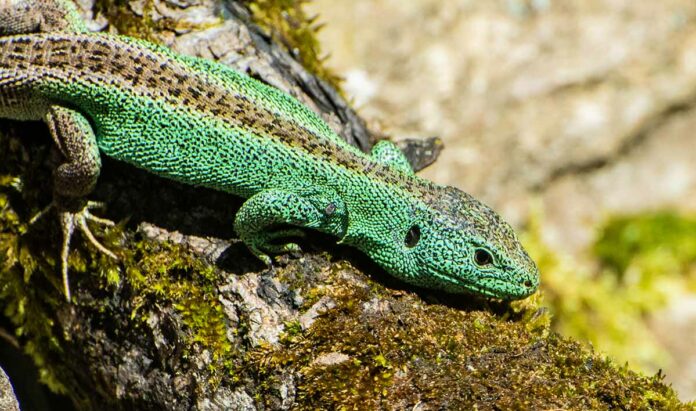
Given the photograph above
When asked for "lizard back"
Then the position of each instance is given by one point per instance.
(103, 75)
(146, 70)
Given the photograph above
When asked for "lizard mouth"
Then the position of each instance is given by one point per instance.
(491, 286)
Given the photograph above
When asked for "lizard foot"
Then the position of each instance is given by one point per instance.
(263, 245)
(69, 220)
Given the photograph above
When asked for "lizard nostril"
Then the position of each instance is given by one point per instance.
(528, 283)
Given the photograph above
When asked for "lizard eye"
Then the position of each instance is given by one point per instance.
(482, 257)
(412, 236)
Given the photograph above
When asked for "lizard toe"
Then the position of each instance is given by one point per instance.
(256, 249)
(283, 248)
(69, 221)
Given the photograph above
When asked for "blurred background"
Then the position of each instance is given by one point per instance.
(576, 120)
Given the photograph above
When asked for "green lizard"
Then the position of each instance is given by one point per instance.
(202, 123)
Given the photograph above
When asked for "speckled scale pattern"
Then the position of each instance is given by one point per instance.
(202, 123)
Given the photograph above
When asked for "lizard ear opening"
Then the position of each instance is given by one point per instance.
(412, 236)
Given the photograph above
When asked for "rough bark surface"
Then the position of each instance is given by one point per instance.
(8, 401)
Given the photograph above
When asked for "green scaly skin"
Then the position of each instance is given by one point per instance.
(202, 123)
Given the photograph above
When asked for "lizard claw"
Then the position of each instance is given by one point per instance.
(263, 244)
(285, 247)
(256, 250)
(70, 220)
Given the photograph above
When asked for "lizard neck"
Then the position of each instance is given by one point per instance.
(379, 209)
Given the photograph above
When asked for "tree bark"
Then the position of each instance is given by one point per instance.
(8, 401)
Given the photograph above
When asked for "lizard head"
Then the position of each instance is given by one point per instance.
(455, 243)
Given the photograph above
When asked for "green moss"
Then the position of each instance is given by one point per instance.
(373, 352)
(642, 260)
(22, 266)
(288, 24)
(163, 273)
(661, 243)
(121, 16)
(125, 22)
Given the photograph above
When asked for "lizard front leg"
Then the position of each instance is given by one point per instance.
(74, 179)
(269, 208)
(386, 152)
